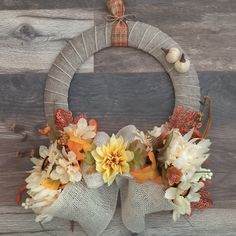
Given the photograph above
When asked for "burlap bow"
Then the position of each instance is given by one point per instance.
(92, 203)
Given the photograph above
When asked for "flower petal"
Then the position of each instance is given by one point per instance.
(170, 193)
(128, 133)
(43, 151)
(101, 139)
(129, 156)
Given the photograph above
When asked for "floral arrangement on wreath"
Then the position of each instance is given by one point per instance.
(170, 155)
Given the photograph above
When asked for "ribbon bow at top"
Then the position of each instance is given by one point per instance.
(119, 34)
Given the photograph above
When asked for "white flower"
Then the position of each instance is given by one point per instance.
(185, 154)
(156, 132)
(182, 196)
(81, 129)
(202, 173)
(60, 172)
(49, 157)
(67, 169)
(74, 174)
(144, 139)
(147, 139)
(40, 196)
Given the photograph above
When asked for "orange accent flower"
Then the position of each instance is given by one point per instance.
(76, 147)
(148, 172)
(173, 175)
(45, 131)
(94, 123)
(80, 137)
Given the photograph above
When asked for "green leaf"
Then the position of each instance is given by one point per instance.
(139, 155)
(89, 159)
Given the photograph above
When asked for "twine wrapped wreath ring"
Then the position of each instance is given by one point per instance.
(86, 205)
(141, 36)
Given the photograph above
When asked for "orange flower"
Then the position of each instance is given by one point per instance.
(45, 131)
(148, 172)
(173, 175)
(80, 137)
(94, 123)
(76, 147)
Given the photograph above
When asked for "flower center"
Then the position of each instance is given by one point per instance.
(113, 159)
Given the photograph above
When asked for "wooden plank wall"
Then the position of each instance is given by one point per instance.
(118, 87)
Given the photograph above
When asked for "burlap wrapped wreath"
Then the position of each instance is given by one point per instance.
(87, 205)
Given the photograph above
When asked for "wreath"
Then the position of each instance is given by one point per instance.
(80, 175)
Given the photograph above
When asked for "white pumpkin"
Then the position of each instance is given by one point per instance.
(182, 65)
(173, 55)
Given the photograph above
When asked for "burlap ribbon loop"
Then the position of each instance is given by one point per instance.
(119, 34)
(94, 208)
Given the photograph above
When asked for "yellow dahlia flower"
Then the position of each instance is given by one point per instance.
(113, 158)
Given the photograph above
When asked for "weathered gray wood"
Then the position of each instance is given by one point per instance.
(24, 224)
(31, 39)
(15, 221)
(205, 29)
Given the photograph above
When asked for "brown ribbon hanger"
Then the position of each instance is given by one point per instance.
(119, 34)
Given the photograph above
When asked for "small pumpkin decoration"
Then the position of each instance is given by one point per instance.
(172, 54)
(182, 65)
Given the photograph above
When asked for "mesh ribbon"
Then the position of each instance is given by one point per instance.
(119, 34)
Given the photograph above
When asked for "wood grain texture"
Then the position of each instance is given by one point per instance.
(30, 40)
(15, 221)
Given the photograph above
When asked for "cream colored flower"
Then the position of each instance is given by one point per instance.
(182, 196)
(156, 132)
(60, 172)
(67, 170)
(147, 139)
(113, 159)
(81, 129)
(49, 156)
(41, 197)
(42, 190)
(185, 154)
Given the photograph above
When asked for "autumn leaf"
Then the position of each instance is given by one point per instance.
(93, 122)
(89, 159)
(149, 172)
(76, 148)
(51, 184)
(139, 156)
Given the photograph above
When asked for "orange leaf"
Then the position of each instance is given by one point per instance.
(148, 172)
(45, 131)
(19, 194)
(51, 184)
(76, 148)
(93, 122)
(197, 134)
